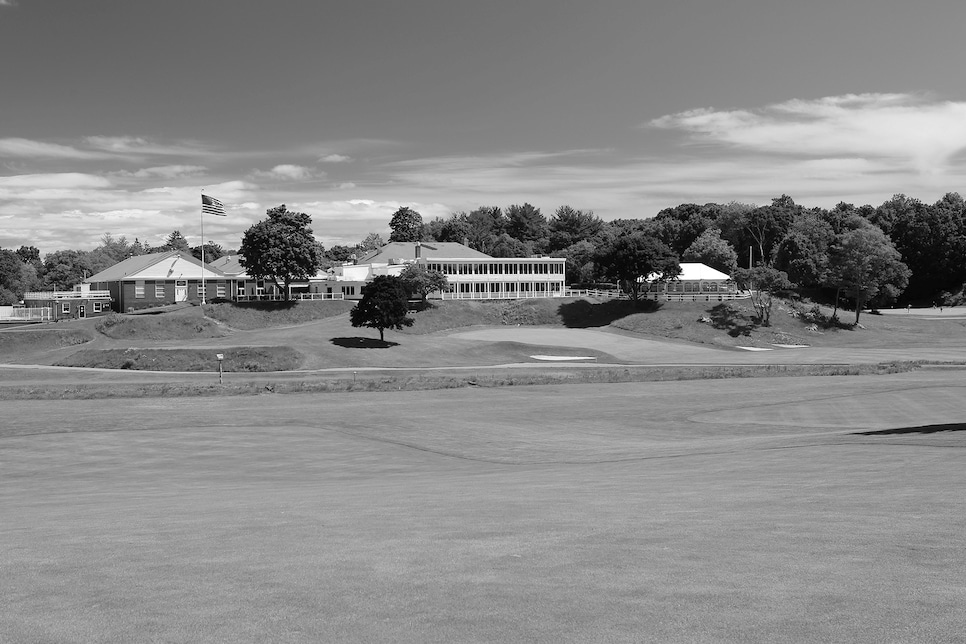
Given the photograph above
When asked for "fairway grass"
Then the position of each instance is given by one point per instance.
(700, 511)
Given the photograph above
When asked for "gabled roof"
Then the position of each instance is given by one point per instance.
(694, 271)
(427, 250)
(229, 265)
(169, 265)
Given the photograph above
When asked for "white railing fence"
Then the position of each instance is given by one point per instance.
(65, 295)
(26, 314)
(274, 297)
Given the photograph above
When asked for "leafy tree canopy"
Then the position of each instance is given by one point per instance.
(865, 265)
(281, 248)
(629, 258)
(384, 305)
(710, 249)
(765, 283)
(406, 225)
(421, 281)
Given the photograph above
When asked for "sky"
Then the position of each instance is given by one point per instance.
(116, 114)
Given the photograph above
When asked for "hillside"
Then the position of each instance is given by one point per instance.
(317, 335)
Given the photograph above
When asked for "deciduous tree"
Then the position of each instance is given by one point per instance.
(281, 248)
(384, 305)
(628, 258)
(866, 265)
(421, 281)
(765, 283)
(406, 226)
(710, 249)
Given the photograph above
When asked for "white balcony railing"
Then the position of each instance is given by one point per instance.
(65, 295)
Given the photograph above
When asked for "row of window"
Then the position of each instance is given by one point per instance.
(504, 287)
(497, 268)
(160, 290)
(96, 307)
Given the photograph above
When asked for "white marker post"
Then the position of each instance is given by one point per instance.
(220, 356)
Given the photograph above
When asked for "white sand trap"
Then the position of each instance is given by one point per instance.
(754, 348)
(791, 346)
(563, 358)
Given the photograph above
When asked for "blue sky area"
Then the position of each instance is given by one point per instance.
(117, 113)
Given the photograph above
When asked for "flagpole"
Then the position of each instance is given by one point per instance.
(204, 292)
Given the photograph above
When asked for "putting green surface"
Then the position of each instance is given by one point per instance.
(727, 510)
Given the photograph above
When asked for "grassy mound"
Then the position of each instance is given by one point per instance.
(15, 344)
(257, 359)
(455, 314)
(167, 326)
(262, 315)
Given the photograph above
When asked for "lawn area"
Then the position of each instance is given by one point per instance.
(592, 513)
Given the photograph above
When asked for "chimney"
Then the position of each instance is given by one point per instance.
(418, 250)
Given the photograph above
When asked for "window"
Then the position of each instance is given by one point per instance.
(159, 291)
(220, 290)
(65, 307)
(139, 289)
(97, 306)
(202, 290)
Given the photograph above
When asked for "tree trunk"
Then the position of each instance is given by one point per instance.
(858, 309)
(835, 310)
(381, 337)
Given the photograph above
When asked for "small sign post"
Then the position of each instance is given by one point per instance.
(220, 356)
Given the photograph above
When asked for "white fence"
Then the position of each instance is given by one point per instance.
(661, 297)
(25, 314)
(295, 296)
(517, 295)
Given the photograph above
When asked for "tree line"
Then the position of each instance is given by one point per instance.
(903, 249)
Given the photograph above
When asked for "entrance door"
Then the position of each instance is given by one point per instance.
(82, 311)
(180, 290)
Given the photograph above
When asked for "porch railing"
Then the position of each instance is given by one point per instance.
(65, 295)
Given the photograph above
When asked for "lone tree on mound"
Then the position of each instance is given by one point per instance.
(384, 305)
(281, 248)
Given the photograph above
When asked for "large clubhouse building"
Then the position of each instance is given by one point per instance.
(175, 276)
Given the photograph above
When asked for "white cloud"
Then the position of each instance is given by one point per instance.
(140, 146)
(905, 127)
(164, 172)
(59, 180)
(27, 148)
(289, 172)
(335, 158)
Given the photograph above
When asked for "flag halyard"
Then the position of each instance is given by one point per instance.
(211, 206)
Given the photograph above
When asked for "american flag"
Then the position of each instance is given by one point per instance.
(211, 206)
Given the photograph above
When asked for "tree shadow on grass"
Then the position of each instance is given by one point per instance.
(363, 343)
(923, 429)
(581, 314)
(725, 318)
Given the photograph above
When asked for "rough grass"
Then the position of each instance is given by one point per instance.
(16, 342)
(424, 381)
(263, 315)
(258, 359)
(168, 326)
(455, 314)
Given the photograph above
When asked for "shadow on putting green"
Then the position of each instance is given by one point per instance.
(922, 429)
(363, 343)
